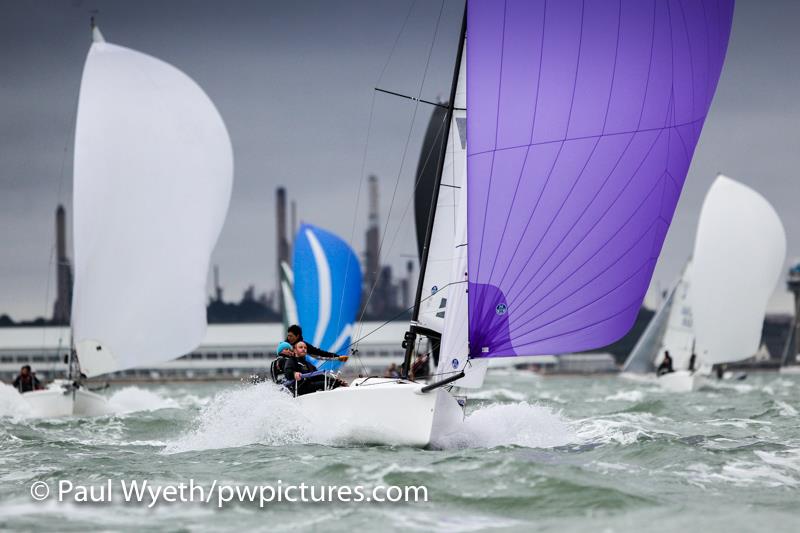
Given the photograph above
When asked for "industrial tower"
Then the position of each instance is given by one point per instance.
(793, 284)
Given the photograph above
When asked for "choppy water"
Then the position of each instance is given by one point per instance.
(535, 454)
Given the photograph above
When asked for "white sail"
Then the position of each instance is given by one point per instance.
(450, 244)
(679, 335)
(152, 182)
(739, 252)
(436, 285)
(642, 357)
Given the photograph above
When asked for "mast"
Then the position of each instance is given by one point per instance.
(409, 339)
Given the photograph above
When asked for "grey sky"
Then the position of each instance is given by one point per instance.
(294, 82)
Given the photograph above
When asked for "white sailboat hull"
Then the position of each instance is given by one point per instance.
(681, 381)
(386, 411)
(55, 402)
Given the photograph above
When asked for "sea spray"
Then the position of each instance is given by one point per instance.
(132, 399)
(12, 404)
(249, 414)
(516, 424)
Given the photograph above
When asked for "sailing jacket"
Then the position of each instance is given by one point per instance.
(316, 352)
(27, 384)
(296, 364)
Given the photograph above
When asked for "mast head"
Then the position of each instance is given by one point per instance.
(97, 36)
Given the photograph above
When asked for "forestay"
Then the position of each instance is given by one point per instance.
(152, 181)
(739, 254)
(582, 120)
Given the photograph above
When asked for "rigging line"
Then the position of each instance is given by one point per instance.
(416, 186)
(418, 180)
(366, 146)
(411, 98)
(52, 260)
(405, 150)
(401, 313)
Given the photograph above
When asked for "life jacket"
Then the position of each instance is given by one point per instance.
(276, 368)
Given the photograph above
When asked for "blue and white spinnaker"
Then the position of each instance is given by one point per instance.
(327, 291)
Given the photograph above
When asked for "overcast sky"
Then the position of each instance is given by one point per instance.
(294, 83)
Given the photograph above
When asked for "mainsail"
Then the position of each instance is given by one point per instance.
(327, 290)
(437, 286)
(582, 121)
(642, 357)
(739, 252)
(430, 159)
(671, 329)
(152, 181)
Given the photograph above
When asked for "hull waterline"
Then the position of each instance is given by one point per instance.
(386, 411)
(55, 401)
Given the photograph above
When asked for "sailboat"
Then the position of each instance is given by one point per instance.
(153, 173)
(716, 310)
(571, 130)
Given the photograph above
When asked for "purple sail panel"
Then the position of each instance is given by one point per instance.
(582, 120)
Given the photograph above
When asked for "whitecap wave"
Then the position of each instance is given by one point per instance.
(626, 396)
(253, 414)
(132, 399)
(622, 428)
(518, 424)
(498, 394)
(12, 404)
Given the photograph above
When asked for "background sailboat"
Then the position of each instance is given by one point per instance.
(153, 174)
(717, 309)
(671, 328)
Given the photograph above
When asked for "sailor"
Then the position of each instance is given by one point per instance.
(284, 353)
(420, 369)
(295, 335)
(297, 370)
(26, 381)
(666, 365)
(692, 361)
(392, 371)
(294, 369)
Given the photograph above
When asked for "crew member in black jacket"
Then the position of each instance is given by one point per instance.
(26, 381)
(295, 335)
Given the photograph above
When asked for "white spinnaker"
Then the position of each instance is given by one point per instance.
(739, 253)
(436, 289)
(153, 174)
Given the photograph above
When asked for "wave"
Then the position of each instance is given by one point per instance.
(498, 395)
(12, 404)
(252, 414)
(518, 424)
(133, 399)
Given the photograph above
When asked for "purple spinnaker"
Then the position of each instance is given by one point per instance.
(582, 120)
